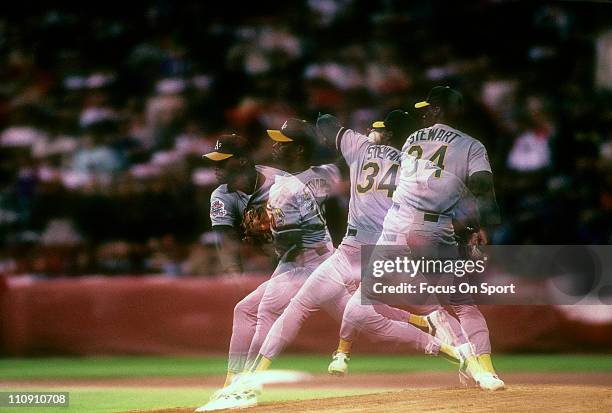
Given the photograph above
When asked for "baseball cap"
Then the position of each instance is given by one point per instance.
(379, 124)
(443, 96)
(397, 121)
(294, 130)
(228, 146)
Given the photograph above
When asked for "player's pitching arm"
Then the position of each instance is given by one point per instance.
(345, 141)
(480, 185)
(328, 130)
(227, 244)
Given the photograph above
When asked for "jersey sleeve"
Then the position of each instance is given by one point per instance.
(332, 173)
(222, 210)
(287, 217)
(349, 143)
(285, 214)
(478, 160)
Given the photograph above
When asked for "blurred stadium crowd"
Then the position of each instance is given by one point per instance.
(104, 115)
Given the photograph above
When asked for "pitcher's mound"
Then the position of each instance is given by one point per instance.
(516, 398)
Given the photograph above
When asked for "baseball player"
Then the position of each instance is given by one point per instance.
(439, 161)
(296, 217)
(373, 172)
(465, 157)
(236, 206)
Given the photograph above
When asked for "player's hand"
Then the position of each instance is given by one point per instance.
(327, 128)
(479, 238)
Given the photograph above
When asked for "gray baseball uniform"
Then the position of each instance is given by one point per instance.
(461, 155)
(227, 209)
(423, 191)
(438, 162)
(449, 149)
(373, 174)
(301, 239)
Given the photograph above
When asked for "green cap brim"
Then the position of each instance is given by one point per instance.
(378, 124)
(420, 105)
(277, 136)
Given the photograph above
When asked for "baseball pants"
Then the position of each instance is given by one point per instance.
(410, 228)
(473, 323)
(385, 324)
(329, 287)
(255, 314)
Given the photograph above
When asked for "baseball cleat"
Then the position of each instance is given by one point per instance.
(472, 374)
(240, 384)
(339, 365)
(220, 393)
(254, 381)
(440, 328)
(465, 355)
(485, 380)
(244, 383)
(489, 381)
(230, 401)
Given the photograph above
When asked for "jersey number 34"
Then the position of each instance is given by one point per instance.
(437, 158)
(385, 182)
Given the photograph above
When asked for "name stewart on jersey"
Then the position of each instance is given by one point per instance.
(437, 134)
(383, 152)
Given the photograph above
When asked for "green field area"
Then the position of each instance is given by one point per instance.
(105, 399)
(33, 368)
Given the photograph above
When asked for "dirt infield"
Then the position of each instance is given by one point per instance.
(518, 398)
(438, 392)
(427, 391)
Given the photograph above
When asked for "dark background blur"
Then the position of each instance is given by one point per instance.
(105, 112)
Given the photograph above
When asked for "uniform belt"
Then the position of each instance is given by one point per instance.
(427, 216)
(362, 236)
(294, 253)
(430, 217)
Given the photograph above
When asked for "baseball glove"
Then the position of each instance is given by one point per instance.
(256, 225)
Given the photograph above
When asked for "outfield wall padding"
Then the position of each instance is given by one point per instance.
(157, 315)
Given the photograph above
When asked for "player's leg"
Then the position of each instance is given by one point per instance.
(243, 329)
(436, 321)
(384, 323)
(360, 317)
(280, 290)
(325, 288)
(476, 328)
(274, 304)
(348, 335)
(353, 312)
(430, 240)
(276, 298)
